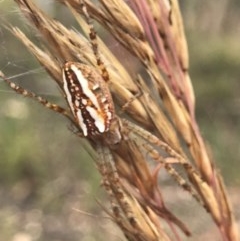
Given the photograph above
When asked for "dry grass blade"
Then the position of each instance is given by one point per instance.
(179, 98)
(152, 31)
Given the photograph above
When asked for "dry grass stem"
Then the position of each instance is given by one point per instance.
(160, 100)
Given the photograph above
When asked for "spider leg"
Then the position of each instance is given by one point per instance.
(34, 96)
(153, 153)
(94, 42)
(129, 102)
(146, 138)
(121, 201)
(154, 140)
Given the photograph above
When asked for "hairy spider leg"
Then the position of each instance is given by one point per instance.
(94, 42)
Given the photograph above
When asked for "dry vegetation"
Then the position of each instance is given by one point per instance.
(160, 100)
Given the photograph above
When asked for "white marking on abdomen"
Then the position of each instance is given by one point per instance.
(85, 87)
(77, 115)
(96, 86)
(84, 101)
(98, 120)
(81, 123)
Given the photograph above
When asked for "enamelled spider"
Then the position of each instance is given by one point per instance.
(93, 114)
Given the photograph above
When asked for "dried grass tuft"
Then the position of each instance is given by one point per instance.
(151, 31)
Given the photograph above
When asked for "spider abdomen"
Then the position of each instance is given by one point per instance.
(88, 97)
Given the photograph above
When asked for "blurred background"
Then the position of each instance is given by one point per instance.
(48, 183)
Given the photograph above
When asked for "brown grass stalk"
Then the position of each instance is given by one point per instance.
(151, 31)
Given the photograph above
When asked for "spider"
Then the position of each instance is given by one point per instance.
(93, 112)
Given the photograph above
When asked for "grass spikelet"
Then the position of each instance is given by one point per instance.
(159, 124)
